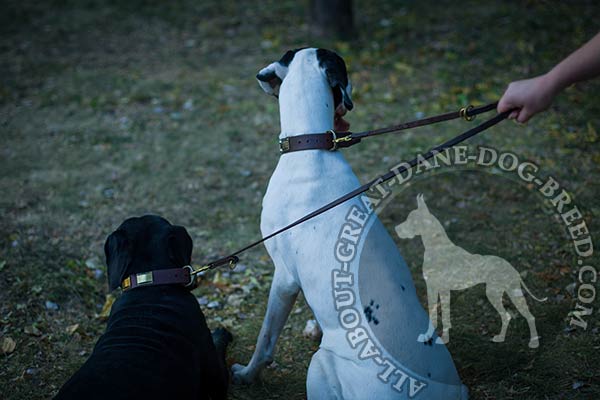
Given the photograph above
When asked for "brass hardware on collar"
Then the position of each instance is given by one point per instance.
(334, 141)
(194, 271)
(343, 139)
(337, 140)
(464, 113)
(126, 283)
(284, 145)
(232, 264)
(144, 277)
(192, 276)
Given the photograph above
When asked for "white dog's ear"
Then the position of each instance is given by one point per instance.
(334, 68)
(270, 77)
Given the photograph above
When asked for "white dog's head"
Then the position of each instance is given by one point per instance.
(330, 65)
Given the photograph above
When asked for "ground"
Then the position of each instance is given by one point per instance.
(113, 109)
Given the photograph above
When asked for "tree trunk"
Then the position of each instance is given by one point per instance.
(332, 18)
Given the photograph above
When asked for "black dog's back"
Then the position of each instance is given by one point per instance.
(156, 345)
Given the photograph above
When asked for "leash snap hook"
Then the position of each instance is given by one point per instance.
(337, 140)
(233, 263)
(464, 113)
(197, 270)
(192, 275)
(334, 140)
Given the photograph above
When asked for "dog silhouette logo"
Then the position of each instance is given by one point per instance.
(448, 267)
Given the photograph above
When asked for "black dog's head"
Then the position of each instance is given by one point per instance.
(143, 244)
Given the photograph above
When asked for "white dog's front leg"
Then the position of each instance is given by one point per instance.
(281, 299)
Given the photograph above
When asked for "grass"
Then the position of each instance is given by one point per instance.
(112, 109)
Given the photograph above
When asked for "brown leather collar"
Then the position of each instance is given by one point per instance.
(332, 140)
(329, 140)
(172, 276)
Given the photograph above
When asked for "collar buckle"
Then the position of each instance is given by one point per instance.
(284, 145)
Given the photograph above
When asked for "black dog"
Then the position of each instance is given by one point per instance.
(156, 344)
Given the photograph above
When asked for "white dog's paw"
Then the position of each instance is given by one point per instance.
(498, 338)
(445, 338)
(534, 342)
(240, 375)
(424, 337)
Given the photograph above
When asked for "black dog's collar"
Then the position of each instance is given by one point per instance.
(172, 276)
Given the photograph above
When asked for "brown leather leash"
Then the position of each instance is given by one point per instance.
(332, 140)
(468, 113)
(328, 141)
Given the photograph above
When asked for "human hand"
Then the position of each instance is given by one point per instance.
(529, 96)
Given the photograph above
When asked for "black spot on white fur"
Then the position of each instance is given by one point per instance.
(289, 56)
(370, 312)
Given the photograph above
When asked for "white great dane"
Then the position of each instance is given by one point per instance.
(314, 94)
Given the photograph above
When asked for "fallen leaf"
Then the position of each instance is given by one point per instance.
(403, 68)
(213, 304)
(564, 270)
(91, 263)
(32, 330)
(8, 345)
(50, 305)
(218, 279)
(548, 276)
(202, 300)
(235, 300)
(71, 329)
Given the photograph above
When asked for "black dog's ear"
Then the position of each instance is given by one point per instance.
(117, 250)
(180, 246)
(335, 70)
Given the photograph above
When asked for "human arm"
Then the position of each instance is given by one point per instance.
(530, 96)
